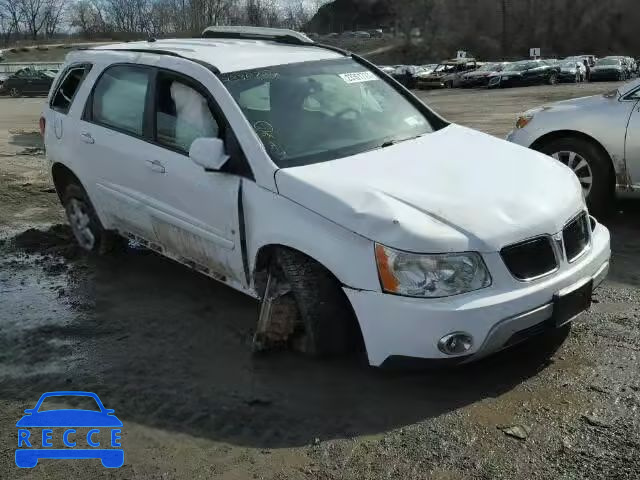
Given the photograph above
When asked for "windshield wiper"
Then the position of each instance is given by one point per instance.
(389, 143)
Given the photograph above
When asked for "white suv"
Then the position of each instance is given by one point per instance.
(304, 176)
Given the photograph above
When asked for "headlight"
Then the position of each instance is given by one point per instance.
(430, 275)
(524, 120)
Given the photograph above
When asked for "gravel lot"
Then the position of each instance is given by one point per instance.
(169, 350)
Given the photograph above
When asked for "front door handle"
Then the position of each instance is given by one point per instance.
(87, 138)
(156, 166)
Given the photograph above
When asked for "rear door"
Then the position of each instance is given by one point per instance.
(60, 126)
(112, 142)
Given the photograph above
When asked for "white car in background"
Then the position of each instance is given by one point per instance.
(303, 176)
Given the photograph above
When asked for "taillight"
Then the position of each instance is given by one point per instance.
(43, 124)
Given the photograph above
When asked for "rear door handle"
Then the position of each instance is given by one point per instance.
(156, 166)
(87, 138)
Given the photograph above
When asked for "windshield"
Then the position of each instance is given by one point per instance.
(318, 111)
(609, 61)
(516, 67)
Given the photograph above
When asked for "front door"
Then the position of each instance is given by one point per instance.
(632, 147)
(194, 213)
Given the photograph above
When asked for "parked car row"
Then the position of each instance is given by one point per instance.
(468, 72)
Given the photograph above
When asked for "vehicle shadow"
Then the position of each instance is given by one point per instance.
(169, 348)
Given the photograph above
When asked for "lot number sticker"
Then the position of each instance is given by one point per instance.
(358, 77)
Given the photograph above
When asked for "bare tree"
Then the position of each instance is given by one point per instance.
(11, 14)
(53, 13)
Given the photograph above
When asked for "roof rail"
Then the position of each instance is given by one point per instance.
(258, 33)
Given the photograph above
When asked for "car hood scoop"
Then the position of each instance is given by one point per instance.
(453, 190)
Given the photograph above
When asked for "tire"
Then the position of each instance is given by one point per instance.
(328, 319)
(553, 79)
(89, 233)
(601, 194)
(448, 84)
(15, 92)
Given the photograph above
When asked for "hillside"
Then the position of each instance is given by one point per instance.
(343, 15)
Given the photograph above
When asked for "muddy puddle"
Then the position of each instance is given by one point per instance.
(172, 348)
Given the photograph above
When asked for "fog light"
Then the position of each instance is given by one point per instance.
(455, 343)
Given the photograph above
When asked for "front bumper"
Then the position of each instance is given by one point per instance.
(609, 75)
(395, 326)
(473, 82)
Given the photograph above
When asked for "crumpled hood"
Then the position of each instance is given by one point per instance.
(453, 190)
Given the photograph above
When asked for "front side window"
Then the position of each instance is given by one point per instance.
(319, 111)
(119, 98)
(182, 114)
(63, 98)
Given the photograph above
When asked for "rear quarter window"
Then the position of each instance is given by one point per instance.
(67, 88)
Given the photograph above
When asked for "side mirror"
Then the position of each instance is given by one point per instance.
(209, 153)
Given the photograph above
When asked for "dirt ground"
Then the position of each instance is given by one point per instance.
(169, 350)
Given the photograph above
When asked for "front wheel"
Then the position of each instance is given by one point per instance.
(448, 84)
(553, 79)
(590, 165)
(328, 320)
(15, 92)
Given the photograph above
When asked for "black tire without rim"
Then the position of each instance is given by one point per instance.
(104, 240)
(325, 311)
(601, 194)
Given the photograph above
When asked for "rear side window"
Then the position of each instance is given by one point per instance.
(67, 88)
(119, 98)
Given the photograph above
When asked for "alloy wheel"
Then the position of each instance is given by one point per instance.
(80, 220)
(580, 167)
(14, 92)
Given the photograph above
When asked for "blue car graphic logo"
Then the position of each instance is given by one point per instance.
(104, 431)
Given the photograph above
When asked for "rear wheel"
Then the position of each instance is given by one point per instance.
(553, 79)
(85, 224)
(15, 92)
(591, 166)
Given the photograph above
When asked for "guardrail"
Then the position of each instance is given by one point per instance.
(12, 67)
